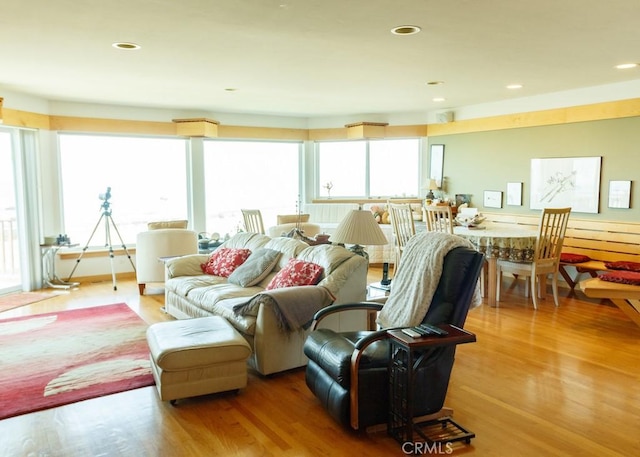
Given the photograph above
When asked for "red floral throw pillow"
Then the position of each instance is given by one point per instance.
(224, 261)
(296, 273)
(573, 258)
(623, 277)
(623, 265)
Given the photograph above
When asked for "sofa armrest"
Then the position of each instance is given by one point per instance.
(187, 265)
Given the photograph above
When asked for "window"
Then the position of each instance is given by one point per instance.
(342, 168)
(370, 169)
(147, 177)
(9, 247)
(249, 175)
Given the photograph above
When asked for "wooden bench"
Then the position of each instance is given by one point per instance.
(601, 241)
(624, 296)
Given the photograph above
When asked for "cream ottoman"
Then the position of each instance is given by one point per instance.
(198, 356)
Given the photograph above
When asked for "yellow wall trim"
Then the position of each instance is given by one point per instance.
(87, 124)
(265, 133)
(16, 118)
(583, 113)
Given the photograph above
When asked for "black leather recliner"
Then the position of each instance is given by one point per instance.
(338, 361)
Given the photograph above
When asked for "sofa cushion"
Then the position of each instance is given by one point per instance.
(220, 298)
(224, 261)
(289, 247)
(256, 268)
(296, 273)
(247, 240)
(326, 255)
(183, 285)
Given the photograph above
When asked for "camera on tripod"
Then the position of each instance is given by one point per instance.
(108, 222)
(105, 198)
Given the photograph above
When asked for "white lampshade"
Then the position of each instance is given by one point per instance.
(433, 184)
(359, 227)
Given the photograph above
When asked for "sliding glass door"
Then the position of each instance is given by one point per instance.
(10, 278)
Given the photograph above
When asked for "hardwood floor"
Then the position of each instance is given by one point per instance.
(552, 382)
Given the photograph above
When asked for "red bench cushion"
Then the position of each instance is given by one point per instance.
(623, 265)
(573, 258)
(623, 277)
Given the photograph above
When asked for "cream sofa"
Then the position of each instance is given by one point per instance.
(190, 294)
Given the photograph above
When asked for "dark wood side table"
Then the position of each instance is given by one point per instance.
(407, 355)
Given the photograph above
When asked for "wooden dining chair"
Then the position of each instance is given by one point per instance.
(253, 220)
(402, 225)
(546, 256)
(439, 218)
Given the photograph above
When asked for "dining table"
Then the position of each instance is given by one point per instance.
(511, 242)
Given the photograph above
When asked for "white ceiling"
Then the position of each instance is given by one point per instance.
(312, 58)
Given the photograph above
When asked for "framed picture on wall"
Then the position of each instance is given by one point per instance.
(562, 182)
(514, 193)
(492, 199)
(436, 163)
(461, 199)
(619, 194)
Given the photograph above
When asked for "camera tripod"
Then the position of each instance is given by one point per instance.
(108, 221)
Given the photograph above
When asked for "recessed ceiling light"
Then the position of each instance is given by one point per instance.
(126, 46)
(439, 99)
(434, 83)
(405, 30)
(624, 66)
(231, 89)
(514, 86)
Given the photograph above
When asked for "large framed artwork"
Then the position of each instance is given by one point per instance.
(562, 182)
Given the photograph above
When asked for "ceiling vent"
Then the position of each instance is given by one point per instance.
(444, 117)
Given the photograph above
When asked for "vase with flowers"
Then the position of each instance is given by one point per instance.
(328, 186)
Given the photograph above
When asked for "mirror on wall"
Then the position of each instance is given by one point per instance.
(436, 163)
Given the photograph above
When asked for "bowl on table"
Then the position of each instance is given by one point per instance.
(470, 221)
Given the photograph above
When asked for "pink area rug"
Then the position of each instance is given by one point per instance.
(58, 358)
(17, 300)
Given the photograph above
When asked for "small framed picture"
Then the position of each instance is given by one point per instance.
(514, 193)
(462, 199)
(492, 199)
(619, 194)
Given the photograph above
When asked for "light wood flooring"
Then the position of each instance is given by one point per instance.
(551, 382)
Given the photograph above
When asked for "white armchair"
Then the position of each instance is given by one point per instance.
(163, 239)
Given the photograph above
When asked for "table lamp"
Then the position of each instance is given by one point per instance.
(359, 228)
(433, 185)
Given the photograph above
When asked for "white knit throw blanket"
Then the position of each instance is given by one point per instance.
(417, 278)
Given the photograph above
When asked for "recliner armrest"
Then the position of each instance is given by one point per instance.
(332, 309)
